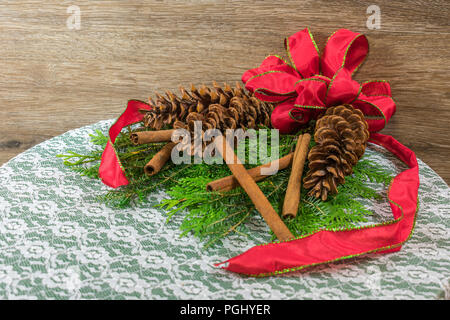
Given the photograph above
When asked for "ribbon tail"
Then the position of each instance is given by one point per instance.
(327, 246)
(111, 171)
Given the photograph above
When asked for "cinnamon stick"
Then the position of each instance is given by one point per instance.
(143, 137)
(292, 197)
(258, 198)
(230, 182)
(159, 159)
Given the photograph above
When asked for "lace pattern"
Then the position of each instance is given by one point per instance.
(58, 242)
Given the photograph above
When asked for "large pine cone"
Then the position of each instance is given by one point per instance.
(341, 136)
(217, 108)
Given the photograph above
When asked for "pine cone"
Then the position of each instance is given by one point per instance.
(341, 136)
(217, 108)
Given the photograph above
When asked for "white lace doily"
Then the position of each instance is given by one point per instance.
(58, 242)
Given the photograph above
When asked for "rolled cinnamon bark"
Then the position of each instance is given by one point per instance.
(258, 198)
(159, 159)
(230, 182)
(292, 197)
(143, 137)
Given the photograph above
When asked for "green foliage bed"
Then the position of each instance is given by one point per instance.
(211, 216)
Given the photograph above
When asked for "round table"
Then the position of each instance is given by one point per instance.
(58, 241)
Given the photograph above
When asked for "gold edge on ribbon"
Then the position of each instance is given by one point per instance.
(377, 95)
(279, 57)
(322, 76)
(306, 107)
(263, 74)
(271, 91)
(383, 81)
(309, 107)
(117, 156)
(311, 79)
(293, 118)
(330, 36)
(288, 270)
(316, 47)
(357, 95)
(375, 106)
(325, 48)
(348, 48)
(313, 41)
(331, 83)
(288, 50)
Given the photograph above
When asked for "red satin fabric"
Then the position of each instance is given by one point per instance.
(311, 83)
(110, 170)
(327, 246)
(306, 60)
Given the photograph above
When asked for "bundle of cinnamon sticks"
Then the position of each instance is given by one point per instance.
(160, 158)
(242, 177)
(247, 180)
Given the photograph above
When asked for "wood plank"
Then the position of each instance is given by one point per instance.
(54, 79)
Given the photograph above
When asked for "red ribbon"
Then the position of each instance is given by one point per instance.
(111, 171)
(302, 91)
(327, 245)
(311, 83)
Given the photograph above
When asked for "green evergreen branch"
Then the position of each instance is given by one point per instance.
(82, 158)
(99, 138)
(211, 216)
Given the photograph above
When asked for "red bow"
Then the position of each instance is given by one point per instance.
(312, 83)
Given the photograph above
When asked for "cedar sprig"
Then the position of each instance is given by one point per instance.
(86, 164)
(212, 216)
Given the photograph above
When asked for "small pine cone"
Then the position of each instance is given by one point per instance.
(341, 136)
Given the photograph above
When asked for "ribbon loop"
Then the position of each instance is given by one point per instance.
(311, 92)
(276, 81)
(269, 64)
(342, 89)
(346, 49)
(303, 52)
(282, 118)
(376, 88)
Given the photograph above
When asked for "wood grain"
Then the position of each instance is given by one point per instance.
(53, 79)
